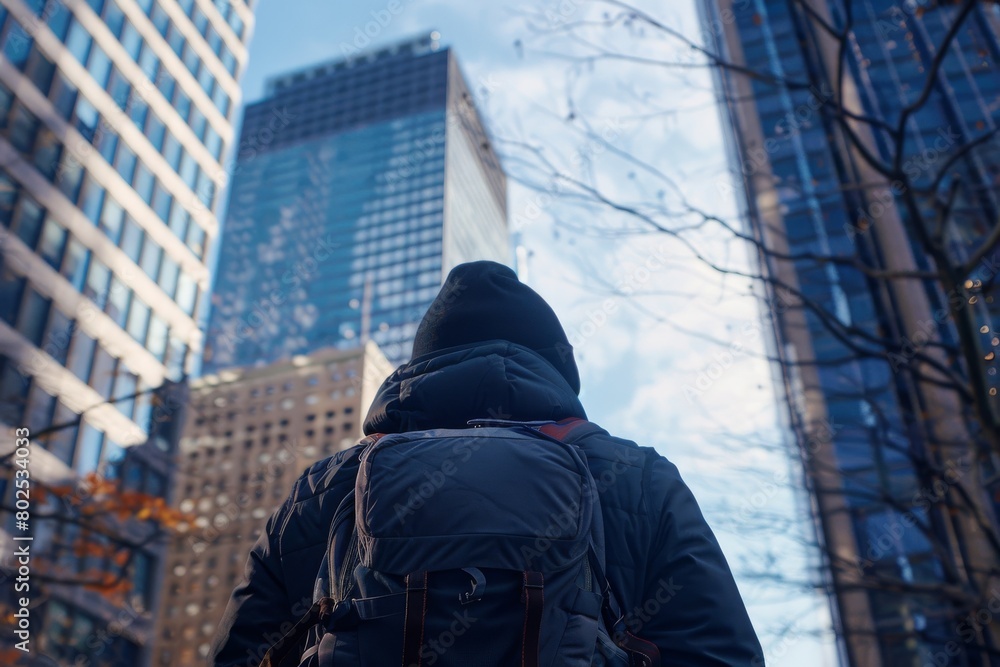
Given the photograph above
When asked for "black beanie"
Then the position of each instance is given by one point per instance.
(483, 301)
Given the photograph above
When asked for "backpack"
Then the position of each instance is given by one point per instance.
(481, 546)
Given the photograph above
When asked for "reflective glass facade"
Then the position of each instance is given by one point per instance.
(108, 199)
(805, 197)
(115, 118)
(358, 185)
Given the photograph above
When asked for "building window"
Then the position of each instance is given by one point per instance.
(99, 66)
(6, 102)
(28, 220)
(176, 353)
(188, 170)
(58, 336)
(89, 455)
(169, 273)
(149, 261)
(15, 43)
(114, 18)
(125, 162)
(117, 305)
(144, 183)
(62, 444)
(74, 268)
(112, 218)
(213, 142)
(78, 42)
(172, 151)
(131, 242)
(156, 131)
(23, 129)
(8, 196)
(187, 293)
(182, 104)
(160, 19)
(86, 118)
(40, 407)
(138, 319)
(197, 121)
(13, 392)
(63, 96)
(157, 341)
(125, 389)
(59, 19)
(92, 200)
(178, 221)
(137, 109)
(81, 354)
(52, 242)
(11, 288)
(34, 313)
(149, 63)
(40, 70)
(131, 40)
(196, 239)
(98, 279)
(106, 142)
(102, 374)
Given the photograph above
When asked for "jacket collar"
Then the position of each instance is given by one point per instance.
(493, 379)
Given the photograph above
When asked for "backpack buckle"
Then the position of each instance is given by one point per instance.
(532, 588)
(478, 586)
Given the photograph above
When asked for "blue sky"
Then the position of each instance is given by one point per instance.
(676, 365)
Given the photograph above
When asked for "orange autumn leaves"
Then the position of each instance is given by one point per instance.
(108, 526)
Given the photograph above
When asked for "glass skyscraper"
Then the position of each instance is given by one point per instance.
(115, 117)
(890, 545)
(359, 183)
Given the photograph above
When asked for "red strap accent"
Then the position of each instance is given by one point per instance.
(563, 429)
(534, 601)
(413, 623)
(371, 439)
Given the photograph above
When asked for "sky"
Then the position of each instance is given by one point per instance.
(670, 354)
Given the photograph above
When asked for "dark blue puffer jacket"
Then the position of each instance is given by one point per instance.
(663, 561)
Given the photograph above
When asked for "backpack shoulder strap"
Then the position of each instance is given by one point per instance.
(640, 651)
(371, 439)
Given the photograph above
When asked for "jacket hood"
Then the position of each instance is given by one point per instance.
(484, 301)
(486, 380)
